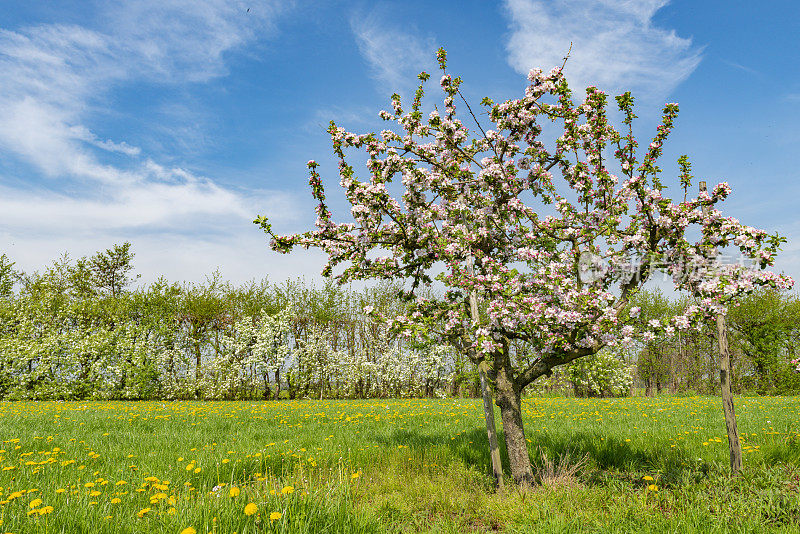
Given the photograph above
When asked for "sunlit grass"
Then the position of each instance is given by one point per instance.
(383, 465)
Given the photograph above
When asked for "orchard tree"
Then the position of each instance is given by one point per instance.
(554, 240)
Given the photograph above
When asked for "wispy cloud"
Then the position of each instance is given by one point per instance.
(99, 188)
(395, 55)
(615, 45)
(741, 67)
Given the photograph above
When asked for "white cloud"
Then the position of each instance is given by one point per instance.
(395, 55)
(186, 40)
(615, 45)
(84, 134)
(104, 190)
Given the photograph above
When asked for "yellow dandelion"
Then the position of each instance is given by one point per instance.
(189, 530)
(116, 500)
(652, 487)
(171, 511)
(141, 513)
(189, 467)
(647, 478)
(35, 503)
(355, 475)
(44, 511)
(250, 509)
(274, 516)
(94, 493)
(287, 489)
(234, 491)
(197, 470)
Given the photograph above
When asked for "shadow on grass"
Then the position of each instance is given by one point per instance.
(607, 457)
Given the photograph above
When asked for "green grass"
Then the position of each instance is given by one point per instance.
(395, 465)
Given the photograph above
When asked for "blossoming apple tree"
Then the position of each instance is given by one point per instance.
(561, 236)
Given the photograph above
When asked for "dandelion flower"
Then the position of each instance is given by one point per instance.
(141, 513)
(44, 511)
(287, 489)
(234, 491)
(250, 509)
(189, 530)
(116, 500)
(274, 516)
(652, 487)
(647, 478)
(35, 503)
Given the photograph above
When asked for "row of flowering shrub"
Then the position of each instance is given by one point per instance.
(62, 340)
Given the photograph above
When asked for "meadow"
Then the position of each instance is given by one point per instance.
(418, 465)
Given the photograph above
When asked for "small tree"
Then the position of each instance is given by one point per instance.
(8, 276)
(110, 269)
(765, 326)
(603, 374)
(548, 280)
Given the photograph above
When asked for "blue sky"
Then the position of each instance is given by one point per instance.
(172, 123)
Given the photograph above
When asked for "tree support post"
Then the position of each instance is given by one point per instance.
(488, 405)
(734, 446)
(491, 428)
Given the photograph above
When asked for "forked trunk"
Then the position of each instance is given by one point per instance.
(509, 399)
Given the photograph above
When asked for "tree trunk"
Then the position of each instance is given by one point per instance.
(198, 357)
(509, 399)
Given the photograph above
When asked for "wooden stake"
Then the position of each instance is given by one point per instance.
(488, 405)
(725, 380)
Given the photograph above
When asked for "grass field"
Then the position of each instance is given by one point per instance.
(607, 465)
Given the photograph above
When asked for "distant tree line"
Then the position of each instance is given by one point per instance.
(79, 330)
